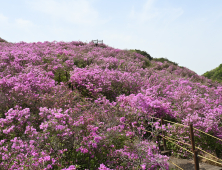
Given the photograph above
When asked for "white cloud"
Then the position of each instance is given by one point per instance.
(25, 26)
(76, 12)
(171, 14)
(147, 12)
(148, 4)
(150, 13)
(21, 23)
(3, 18)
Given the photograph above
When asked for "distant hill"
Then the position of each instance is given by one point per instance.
(215, 74)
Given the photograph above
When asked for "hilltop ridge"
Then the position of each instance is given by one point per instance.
(215, 74)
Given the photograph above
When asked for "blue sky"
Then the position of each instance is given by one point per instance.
(188, 32)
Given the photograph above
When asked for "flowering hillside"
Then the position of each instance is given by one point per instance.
(75, 106)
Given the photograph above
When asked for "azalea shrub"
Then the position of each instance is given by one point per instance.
(76, 106)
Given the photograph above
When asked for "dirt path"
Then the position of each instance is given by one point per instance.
(188, 164)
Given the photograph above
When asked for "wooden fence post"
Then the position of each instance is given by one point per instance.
(163, 132)
(97, 41)
(196, 162)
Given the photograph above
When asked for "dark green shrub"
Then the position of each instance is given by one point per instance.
(144, 53)
(146, 63)
(62, 57)
(215, 74)
(61, 75)
(208, 74)
(80, 63)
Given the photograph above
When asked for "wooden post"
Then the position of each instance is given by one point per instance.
(163, 133)
(96, 42)
(158, 140)
(196, 162)
(192, 137)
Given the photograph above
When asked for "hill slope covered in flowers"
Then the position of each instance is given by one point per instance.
(74, 105)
